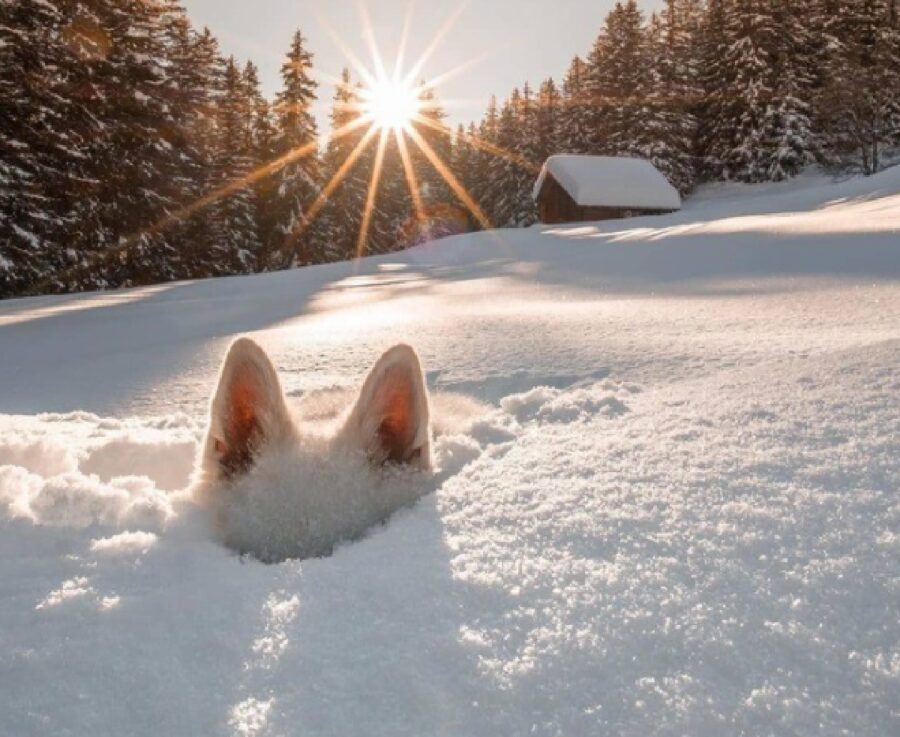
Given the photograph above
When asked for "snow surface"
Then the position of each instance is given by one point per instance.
(675, 513)
(609, 181)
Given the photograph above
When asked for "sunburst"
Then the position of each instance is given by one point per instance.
(395, 105)
(391, 104)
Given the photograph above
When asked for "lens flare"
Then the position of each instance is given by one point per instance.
(391, 104)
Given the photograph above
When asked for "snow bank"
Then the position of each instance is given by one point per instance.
(674, 513)
(79, 470)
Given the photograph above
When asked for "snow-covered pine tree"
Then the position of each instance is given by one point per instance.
(42, 134)
(436, 197)
(487, 135)
(519, 176)
(392, 219)
(235, 238)
(760, 127)
(465, 165)
(195, 69)
(788, 138)
(721, 109)
(859, 106)
(478, 136)
(136, 162)
(261, 152)
(342, 215)
(666, 127)
(617, 75)
(295, 187)
(576, 116)
(548, 124)
(502, 186)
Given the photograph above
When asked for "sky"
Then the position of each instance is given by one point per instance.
(502, 43)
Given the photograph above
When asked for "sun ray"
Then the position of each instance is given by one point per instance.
(372, 194)
(369, 33)
(361, 69)
(235, 185)
(483, 145)
(404, 41)
(448, 176)
(455, 71)
(400, 101)
(391, 105)
(333, 183)
(253, 177)
(420, 63)
(411, 180)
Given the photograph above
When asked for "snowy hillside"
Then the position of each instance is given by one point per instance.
(677, 513)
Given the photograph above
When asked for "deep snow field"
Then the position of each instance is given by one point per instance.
(678, 513)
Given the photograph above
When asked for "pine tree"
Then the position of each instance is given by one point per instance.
(477, 179)
(666, 128)
(760, 82)
(616, 77)
(548, 121)
(236, 232)
(196, 70)
(296, 186)
(47, 200)
(465, 162)
(788, 139)
(502, 185)
(576, 118)
(138, 158)
(393, 224)
(859, 107)
(437, 217)
(717, 110)
(342, 216)
(520, 170)
(261, 153)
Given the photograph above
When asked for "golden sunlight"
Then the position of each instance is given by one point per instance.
(391, 103)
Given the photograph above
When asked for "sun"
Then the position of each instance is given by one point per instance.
(392, 104)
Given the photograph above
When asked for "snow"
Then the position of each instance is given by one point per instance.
(609, 181)
(669, 505)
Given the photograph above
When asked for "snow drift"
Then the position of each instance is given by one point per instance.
(675, 513)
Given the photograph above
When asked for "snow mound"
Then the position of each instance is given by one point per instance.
(79, 470)
(76, 500)
(553, 405)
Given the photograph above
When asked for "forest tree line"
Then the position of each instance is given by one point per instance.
(118, 119)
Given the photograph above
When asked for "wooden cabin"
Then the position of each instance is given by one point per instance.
(574, 188)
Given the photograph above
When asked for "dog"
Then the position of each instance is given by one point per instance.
(280, 484)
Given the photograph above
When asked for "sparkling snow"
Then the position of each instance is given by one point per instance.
(675, 512)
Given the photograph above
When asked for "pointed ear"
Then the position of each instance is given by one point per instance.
(247, 410)
(391, 419)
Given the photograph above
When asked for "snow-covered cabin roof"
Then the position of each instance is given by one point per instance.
(610, 181)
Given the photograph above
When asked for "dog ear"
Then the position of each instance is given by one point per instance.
(391, 419)
(247, 410)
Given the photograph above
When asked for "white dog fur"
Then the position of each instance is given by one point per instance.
(278, 487)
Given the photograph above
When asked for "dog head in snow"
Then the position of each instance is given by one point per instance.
(279, 486)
